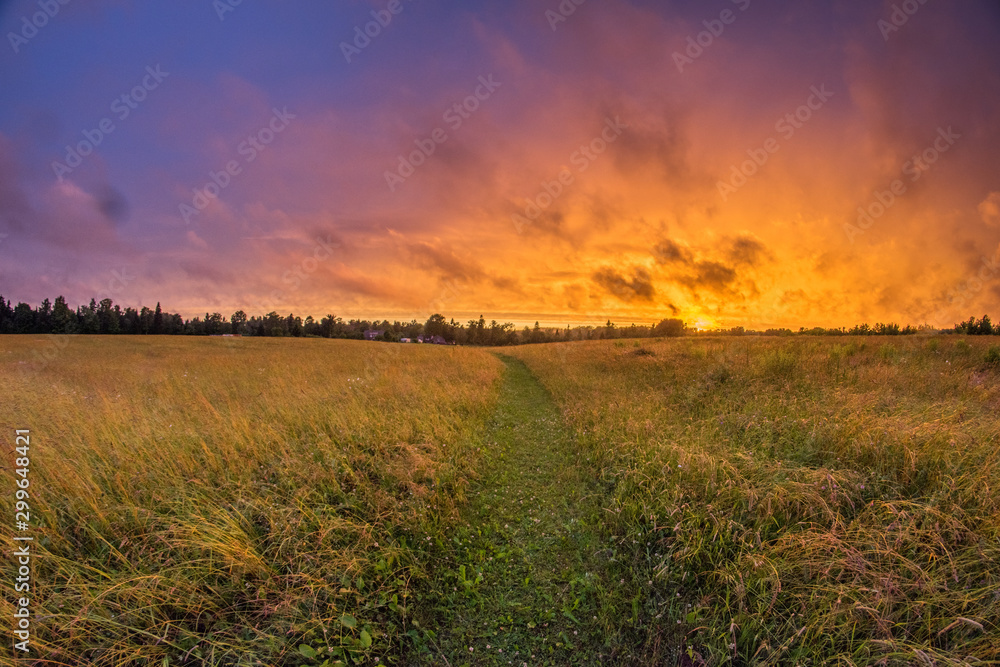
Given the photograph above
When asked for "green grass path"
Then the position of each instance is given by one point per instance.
(523, 580)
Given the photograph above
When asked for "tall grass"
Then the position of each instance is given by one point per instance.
(211, 501)
(807, 501)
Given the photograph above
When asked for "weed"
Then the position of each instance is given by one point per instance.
(779, 365)
(888, 353)
(720, 374)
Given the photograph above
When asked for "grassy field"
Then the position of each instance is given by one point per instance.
(212, 501)
(802, 501)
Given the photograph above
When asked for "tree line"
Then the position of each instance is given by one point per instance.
(973, 327)
(106, 317)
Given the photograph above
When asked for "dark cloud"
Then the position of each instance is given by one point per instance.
(549, 222)
(15, 211)
(794, 297)
(113, 205)
(59, 215)
(603, 212)
(203, 270)
(670, 252)
(509, 284)
(351, 282)
(446, 262)
(643, 147)
(638, 288)
(712, 276)
(454, 269)
(747, 250)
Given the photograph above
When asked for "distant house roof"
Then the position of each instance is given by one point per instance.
(372, 334)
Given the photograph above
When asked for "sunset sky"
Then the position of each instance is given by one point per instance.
(595, 166)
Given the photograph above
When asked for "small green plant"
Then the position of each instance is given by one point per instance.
(854, 347)
(354, 646)
(469, 585)
(720, 374)
(962, 347)
(933, 345)
(993, 356)
(888, 353)
(780, 365)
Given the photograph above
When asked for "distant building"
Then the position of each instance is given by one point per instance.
(430, 340)
(372, 334)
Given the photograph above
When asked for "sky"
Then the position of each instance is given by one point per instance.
(731, 163)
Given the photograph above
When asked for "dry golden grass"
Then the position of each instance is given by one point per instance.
(767, 501)
(222, 500)
(814, 500)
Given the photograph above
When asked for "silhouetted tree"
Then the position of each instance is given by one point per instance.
(24, 319)
(237, 321)
(671, 328)
(158, 320)
(63, 319)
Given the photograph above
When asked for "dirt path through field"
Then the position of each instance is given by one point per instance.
(523, 584)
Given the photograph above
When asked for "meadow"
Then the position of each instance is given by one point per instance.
(224, 501)
(799, 501)
(696, 501)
